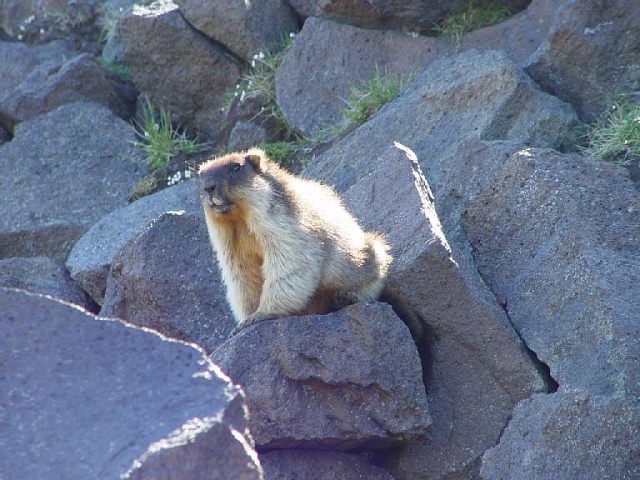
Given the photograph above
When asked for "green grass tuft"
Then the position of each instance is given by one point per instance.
(615, 136)
(160, 140)
(471, 17)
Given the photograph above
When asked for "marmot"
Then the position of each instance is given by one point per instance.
(286, 245)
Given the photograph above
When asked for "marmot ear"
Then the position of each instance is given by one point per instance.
(255, 161)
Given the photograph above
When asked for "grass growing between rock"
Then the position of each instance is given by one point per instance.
(615, 137)
(370, 96)
(160, 140)
(469, 17)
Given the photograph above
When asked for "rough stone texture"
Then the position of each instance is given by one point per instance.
(245, 28)
(350, 379)
(556, 237)
(591, 54)
(569, 434)
(245, 135)
(176, 67)
(474, 95)
(42, 275)
(52, 84)
(91, 256)
(476, 367)
(84, 397)
(303, 464)
(328, 58)
(87, 153)
(17, 61)
(414, 14)
(166, 279)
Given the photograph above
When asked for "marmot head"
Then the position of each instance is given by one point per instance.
(227, 181)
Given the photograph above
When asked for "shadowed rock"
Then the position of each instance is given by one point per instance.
(346, 380)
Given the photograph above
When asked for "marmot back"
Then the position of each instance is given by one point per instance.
(286, 245)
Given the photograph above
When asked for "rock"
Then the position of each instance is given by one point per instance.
(590, 54)
(328, 58)
(166, 279)
(51, 85)
(91, 257)
(287, 464)
(245, 135)
(413, 15)
(100, 393)
(176, 67)
(474, 95)
(346, 380)
(570, 434)
(477, 369)
(42, 275)
(77, 145)
(245, 28)
(17, 60)
(556, 237)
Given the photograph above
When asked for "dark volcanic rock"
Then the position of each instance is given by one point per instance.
(177, 67)
(84, 397)
(477, 368)
(166, 279)
(569, 434)
(245, 28)
(68, 168)
(307, 464)
(591, 54)
(91, 257)
(350, 379)
(42, 275)
(556, 237)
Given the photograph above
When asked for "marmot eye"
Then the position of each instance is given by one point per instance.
(236, 167)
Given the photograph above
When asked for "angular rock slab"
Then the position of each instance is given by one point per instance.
(477, 368)
(84, 397)
(245, 28)
(42, 275)
(91, 256)
(167, 279)
(328, 58)
(473, 95)
(557, 238)
(591, 54)
(69, 167)
(346, 380)
(178, 68)
(570, 434)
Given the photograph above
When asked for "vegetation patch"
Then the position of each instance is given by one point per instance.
(160, 140)
(615, 136)
(471, 16)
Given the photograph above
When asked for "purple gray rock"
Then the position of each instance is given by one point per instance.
(84, 397)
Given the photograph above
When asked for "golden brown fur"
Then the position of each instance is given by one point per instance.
(286, 245)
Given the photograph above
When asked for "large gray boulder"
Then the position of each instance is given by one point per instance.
(570, 434)
(92, 255)
(42, 275)
(51, 84)
(166, 279)
(245, 28)
(85, 397)
(177, 67)
(17, 61)
(346, 380)
(68, 167)
(556, 237)
(474, 95)
(591, 54)
(328, 58)
(476, 367)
